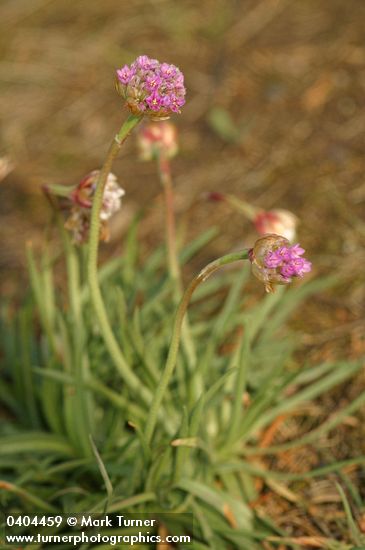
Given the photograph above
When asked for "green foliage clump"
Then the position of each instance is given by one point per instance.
(72, 435)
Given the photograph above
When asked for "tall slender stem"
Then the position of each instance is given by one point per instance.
(173, 264)
(112, 345)
(242, 206)
(176, 335)
(165, 177)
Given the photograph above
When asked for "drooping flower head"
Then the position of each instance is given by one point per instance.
(157, 138)
(276, 262)
(151, 88)
(82, 197)
(277, 221)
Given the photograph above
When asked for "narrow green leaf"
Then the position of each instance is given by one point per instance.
(35, 442)
(318, 472)
(356, 536)
(222, 502)
(37, 502)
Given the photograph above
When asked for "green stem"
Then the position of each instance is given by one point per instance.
(173, 264)
(165, 178)
(176, 335)
(78, 404)
(242, 206)
(81, 403)
(112, 345)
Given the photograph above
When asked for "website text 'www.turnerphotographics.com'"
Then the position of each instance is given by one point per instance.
(112, 529)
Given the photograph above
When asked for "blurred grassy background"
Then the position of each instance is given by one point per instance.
(275, 114)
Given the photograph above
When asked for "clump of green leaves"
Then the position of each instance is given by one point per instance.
(72, 437)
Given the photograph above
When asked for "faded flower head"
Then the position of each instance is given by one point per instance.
(82, 196)
(151, 88)
(280, 222)
(276, 262)
(6, 166)
(157, 138)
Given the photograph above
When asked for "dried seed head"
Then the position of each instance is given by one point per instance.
(82, 197)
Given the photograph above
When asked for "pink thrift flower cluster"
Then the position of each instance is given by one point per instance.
(151, 88)
(288, 261)
(275, 262)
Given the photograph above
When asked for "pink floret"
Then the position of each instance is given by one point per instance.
(287, 261)
(124, 74)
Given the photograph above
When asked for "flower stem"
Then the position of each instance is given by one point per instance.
(112, 345)
(165, 178)
(176, 335)
(240, 205)
(173, 264)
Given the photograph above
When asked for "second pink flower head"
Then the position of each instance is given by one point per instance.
(276, 262)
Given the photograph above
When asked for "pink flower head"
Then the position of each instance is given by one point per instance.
(281, 222)
(157, 138)
(151, 88)
(275, 261)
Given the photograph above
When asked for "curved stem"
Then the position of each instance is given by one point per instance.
(111, 342)
(176, 335)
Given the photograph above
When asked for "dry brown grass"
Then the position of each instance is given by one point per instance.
(292, 77)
